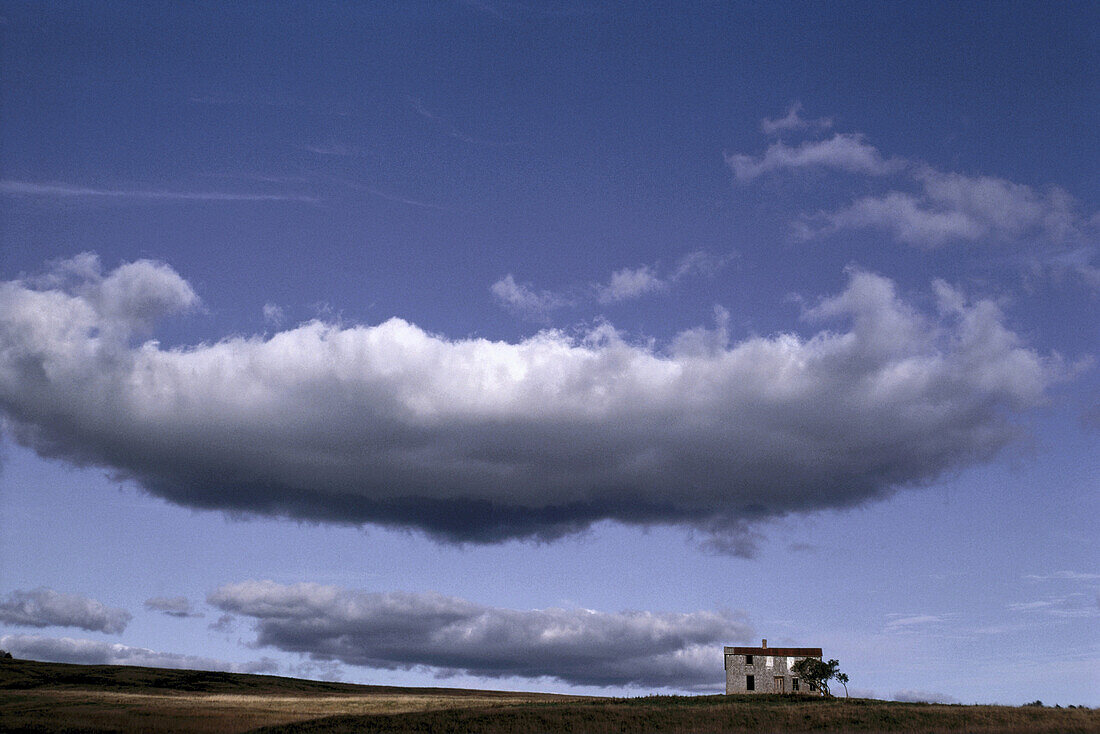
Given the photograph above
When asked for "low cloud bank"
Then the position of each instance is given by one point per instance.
(912, 696)
(451, 636)
(44, 607)
(94, 652)
(482, 441)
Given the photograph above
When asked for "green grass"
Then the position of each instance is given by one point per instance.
(50, 697)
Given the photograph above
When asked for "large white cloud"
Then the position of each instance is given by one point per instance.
(95, 652)
(44, 607)
(477, 440)
(452, 635)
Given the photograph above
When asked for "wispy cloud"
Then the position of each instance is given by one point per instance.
(224, 623)
(62, 190)
(173, 606)
(525, 299)
(273, 314)
(338, 150)
(700, 262)
(901, 214)
(793, 121)
(630, 283)
(1071, 606)
(398, 199)
(624, 284)
(1064, 576)
(950, 207)
(922, 206)
(387, 195)
(450, 130)
(844, 151)
(896, 622)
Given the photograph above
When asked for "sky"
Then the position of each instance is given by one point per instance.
(553, 346)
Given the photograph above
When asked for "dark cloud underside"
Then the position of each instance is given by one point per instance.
(472, 440)
(451, 635)
(44, 607)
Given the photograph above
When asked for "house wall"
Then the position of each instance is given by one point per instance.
(765, 668)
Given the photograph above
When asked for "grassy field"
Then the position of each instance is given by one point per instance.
(40, 697)
(706, 714)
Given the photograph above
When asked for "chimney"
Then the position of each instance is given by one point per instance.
(764, 644)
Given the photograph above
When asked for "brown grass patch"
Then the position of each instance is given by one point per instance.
(708, 714)
(103, 711)
(47, 697)
(40, 697)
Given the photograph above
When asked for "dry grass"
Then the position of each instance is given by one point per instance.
(47, 697)
(707, 714)
(41, 697)
(103, 711)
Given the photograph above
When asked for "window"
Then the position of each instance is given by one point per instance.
(750, 682)
(748, 660)
(794, 684)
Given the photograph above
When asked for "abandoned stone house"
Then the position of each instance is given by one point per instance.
(766, 669)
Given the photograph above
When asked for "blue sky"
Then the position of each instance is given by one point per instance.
(553, 346)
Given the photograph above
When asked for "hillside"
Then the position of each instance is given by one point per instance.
(49, 697)
(31, 674)
(41, 697)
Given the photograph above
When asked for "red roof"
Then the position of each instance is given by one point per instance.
(779, 652)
